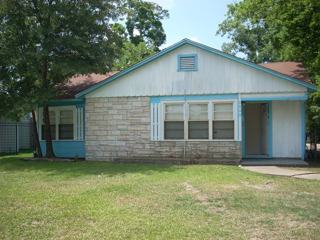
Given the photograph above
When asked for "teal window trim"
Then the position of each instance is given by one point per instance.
(194, 56)
(270, 147)
(243, 119)
(158, 99)
(303, 129)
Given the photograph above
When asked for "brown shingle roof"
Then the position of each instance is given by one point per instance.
(79, 83)
(291, 69)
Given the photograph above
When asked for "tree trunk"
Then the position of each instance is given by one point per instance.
(36, 142)
(47, 129)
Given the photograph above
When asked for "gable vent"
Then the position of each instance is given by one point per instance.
(187, 63)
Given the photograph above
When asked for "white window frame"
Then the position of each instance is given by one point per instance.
(210, 119)
(57, 122)
(233, 119)
(163, 119)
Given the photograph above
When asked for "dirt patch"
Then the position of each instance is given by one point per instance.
(196, 193)
(264, 187)
(203, 199)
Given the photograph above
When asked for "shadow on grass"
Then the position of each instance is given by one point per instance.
(15, 163)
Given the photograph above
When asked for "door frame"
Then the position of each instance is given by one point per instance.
(269, 130)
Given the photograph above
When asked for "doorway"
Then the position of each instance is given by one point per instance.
(256, 129)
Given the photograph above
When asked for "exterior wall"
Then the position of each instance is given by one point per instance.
(66, 149)
(287, 127)
(118, 129)
(215, 75)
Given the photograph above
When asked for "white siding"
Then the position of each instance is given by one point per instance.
(215, 75)
(286, 129)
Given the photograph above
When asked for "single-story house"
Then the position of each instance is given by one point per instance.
(188, 103)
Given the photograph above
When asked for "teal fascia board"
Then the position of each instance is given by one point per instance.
(309, 86)
(66, 102)
(158, 99)
(275, 98)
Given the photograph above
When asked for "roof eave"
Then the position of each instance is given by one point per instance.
(309, 86)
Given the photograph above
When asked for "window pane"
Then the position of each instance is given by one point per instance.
(66, 117)
(223, 111)
(174, 130)
(65, 131)
(223, 129)
(53, 132)
(223, 107)
(52, 117)
(198, 130)
(223, 116)
(174, 112)
(198, 112)
(66, 124)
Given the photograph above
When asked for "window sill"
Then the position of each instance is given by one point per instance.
(196, 140)
(66, 140)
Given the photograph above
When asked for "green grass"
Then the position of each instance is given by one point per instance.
(97, 200)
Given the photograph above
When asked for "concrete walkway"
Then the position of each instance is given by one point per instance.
(279, 171)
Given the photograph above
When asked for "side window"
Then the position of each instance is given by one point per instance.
(223, 122)
(52, 117)
(66, 124)
(198, 123)
(174, 121)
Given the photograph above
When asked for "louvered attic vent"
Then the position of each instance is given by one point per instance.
(187, 63)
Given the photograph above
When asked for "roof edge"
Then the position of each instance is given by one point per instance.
(309, 86)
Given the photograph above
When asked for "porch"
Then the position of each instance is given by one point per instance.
(274, 162)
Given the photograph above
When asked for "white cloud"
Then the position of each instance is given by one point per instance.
(195, 39)
(166, 4)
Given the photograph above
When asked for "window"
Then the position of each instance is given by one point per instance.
(174, 121)
(52, 119)
(223, 123)
(198, 124)
(66, 124)
(187, 63)
(61, 123)
(194, 120)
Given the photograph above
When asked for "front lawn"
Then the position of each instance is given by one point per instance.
(97, 200)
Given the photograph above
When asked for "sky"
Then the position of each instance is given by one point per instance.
(197, 20)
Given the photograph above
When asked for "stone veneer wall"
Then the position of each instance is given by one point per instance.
(118, 129)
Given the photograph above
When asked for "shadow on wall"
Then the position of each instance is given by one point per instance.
(78, 169)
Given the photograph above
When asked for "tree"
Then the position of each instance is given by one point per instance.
(143, 23)
(268, 30)
(45, 42)
(278, 30)
(131, 54)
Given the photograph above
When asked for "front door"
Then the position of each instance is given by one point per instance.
(256, 129)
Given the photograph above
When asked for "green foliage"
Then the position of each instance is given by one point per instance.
(278, 30)
(131, 54)
(268, 30)
(44, 43)
(144, 23)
